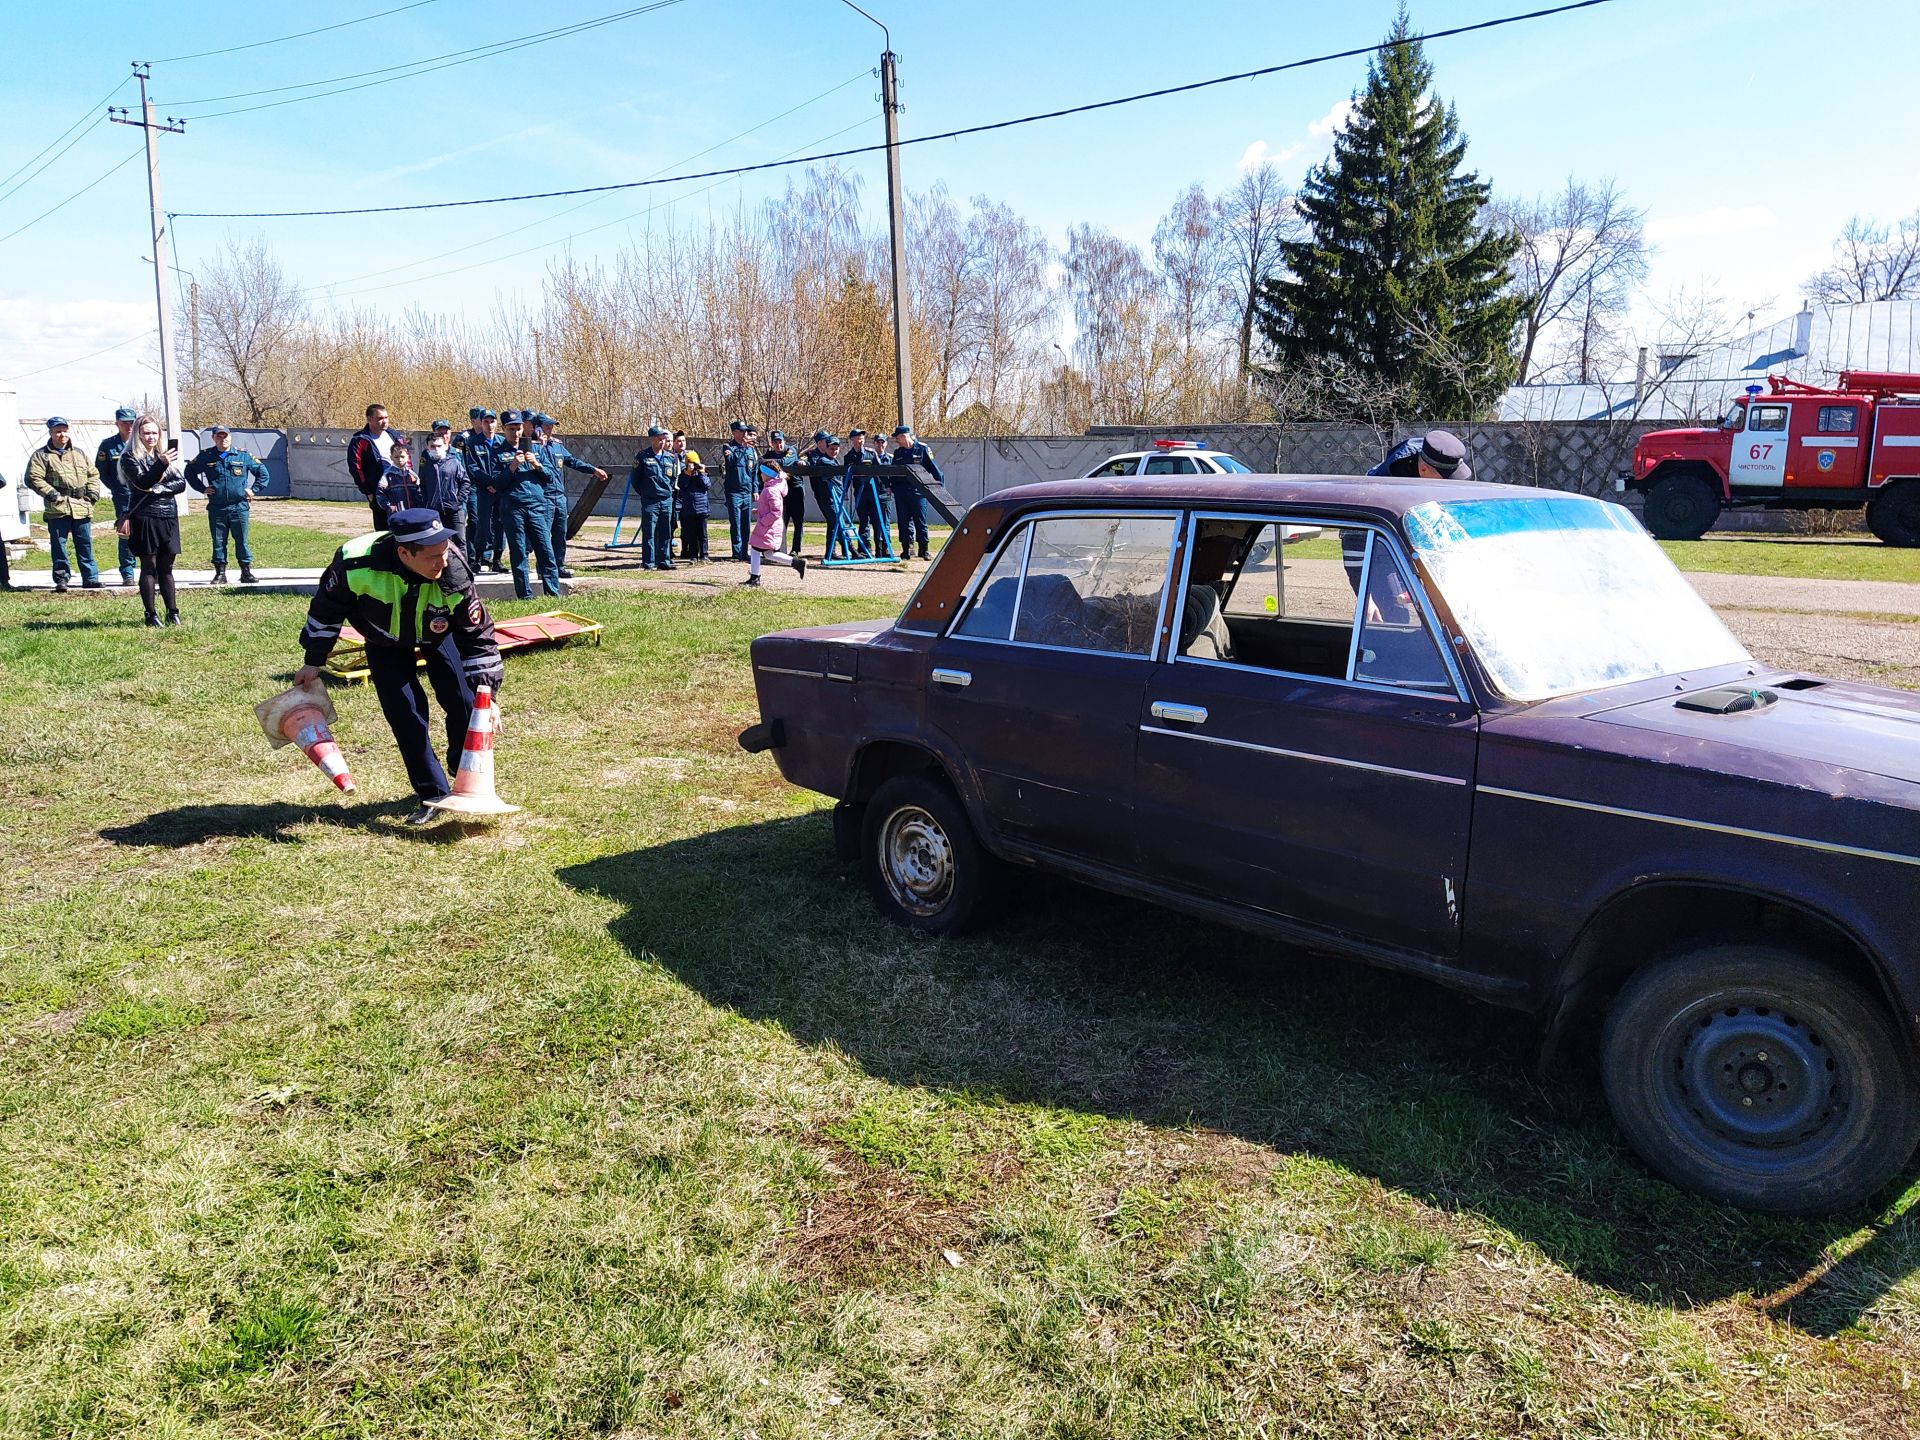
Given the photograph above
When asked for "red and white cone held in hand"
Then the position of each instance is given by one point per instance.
(300, 716)
(473, 792)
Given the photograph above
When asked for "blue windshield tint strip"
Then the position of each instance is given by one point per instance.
(1438, 525)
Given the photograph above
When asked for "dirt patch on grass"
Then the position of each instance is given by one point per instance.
(868, 1222)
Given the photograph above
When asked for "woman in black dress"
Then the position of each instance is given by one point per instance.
(153, 477)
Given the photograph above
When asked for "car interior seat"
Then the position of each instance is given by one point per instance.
(1203, 628)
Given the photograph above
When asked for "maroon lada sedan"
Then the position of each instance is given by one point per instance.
(1484, 734)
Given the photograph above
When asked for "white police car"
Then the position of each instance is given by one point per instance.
(1170, 457)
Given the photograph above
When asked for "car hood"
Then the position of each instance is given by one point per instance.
(1838, 727)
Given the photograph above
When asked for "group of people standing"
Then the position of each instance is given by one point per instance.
(144, 476)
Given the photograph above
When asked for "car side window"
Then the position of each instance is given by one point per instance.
(1837, 419)
(990, 616)
(1095, 582)
(1396, 648)
(1115, 468)
(1170, 465)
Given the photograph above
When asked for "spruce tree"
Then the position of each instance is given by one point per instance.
(1397, 283)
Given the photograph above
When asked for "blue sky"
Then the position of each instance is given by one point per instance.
(1745, 127)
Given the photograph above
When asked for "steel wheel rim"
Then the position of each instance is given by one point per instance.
(916, 859)
(1756, 1084)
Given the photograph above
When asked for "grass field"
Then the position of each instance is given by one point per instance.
(1850, 557)
(273, 544)
(629, 1117)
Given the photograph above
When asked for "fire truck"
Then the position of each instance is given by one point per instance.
(1792, 446)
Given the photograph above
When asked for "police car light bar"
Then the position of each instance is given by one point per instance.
(1178, 445)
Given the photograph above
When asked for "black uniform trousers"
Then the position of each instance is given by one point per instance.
(403, 700)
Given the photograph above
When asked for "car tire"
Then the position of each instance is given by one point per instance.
(1681, 507)
(1893, 515)
(926, 867)
(1758, 1077)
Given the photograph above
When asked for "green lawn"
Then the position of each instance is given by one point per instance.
(273, 544)
(1849, 557)
(628, 1116)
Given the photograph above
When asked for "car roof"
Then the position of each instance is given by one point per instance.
(1169, 450)
(1379, 493)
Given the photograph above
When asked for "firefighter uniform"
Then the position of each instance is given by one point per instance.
(563, 460)
(484, 457)
(907, 499)
(740, 482)
(404, 615)
(655, 474)
(106, 460)
(229, 479)
(525, 486)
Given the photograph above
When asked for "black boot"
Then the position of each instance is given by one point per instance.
(247, 577)
(219, 575)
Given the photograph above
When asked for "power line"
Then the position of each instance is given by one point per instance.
(411, 69)
(571, 209)
(91, 113)
(73, 197)
(62, 364)
(282, 39)
(916, 139)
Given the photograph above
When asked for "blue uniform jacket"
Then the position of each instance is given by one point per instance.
(107, 461)
(227, 478)
(565, 459)
(1402, 459)
(742, 469)
(484, 460)
(654, 476)
(518, 480)
(916, 454)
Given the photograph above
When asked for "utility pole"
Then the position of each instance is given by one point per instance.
(896, 221)
(169, 390)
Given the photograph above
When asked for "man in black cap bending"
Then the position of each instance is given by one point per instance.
(410, 594)
(1436, 455)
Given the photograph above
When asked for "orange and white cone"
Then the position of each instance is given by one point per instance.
(300, 717)
(473, 792)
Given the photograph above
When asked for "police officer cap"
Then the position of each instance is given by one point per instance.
(541, 417)
(856, 430)
(417, 526)
(736, 425)
(56, 422)
(440, 425)
(900, 430)
(484, 414)
(510, 417)
(831, 439)
(654, 431)
(476, 412)
(126, 413)
(1445, 452)
(220, 430)
(821, 435)
(779, 435)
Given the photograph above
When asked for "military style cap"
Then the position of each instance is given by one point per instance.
(440, 425)
(1445, 452)
(541, 417)
(476, 412)
(900, 430)
(484, 414)
(655, 430)
(736, 425)
(856, 430)
(56, 422)
(418, 526)
(220, 429)
(821, 435)
(510, 417)
(779, 435)
(126, 412)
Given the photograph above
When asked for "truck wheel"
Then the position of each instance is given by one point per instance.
(1681, 507)
(1761, 1078)
(925, 865)
(1894, 513)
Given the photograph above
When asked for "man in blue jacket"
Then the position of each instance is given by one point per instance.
(564, 460)
(739, 484)
(230, 479)
(106, 460)
(482, 453)
(907, 499)
(655, 471)
(526, 469)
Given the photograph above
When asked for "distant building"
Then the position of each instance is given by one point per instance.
(1815, 346)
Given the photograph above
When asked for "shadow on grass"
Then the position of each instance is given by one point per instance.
(194, 824)
(111, 621)
(1087, 1002)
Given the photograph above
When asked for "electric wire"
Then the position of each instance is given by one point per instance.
(411, 69)
(74, 196)
(75, 360)
(283, 39)
(917, 139)
(594, 200)
(91, 113)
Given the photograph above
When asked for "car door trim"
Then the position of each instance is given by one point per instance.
(1339, 760)
(790, 670)
(1832, 847)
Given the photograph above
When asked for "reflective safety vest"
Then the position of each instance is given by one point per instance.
(390, 588)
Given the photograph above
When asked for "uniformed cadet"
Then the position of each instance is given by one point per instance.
(563, 461)
(483, 453)
(106, 460)
(868, 499)
(740, 482)
(229, 478)
(526, 466)
(655, 471)
(907, 498)
(410, 594)
(786, 457)
(825, 476)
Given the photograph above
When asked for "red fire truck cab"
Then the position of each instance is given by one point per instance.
(1792, 446)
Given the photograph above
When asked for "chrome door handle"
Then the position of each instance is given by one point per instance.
(1185, 714)
(958, 679)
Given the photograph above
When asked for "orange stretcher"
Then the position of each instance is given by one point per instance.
(555, 627)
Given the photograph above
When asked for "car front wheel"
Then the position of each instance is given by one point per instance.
(1758, 1077)
(1681, 507)
(923, 862)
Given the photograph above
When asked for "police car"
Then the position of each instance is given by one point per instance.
(1170, 457)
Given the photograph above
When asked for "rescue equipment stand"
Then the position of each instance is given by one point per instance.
(844, 523)
(616, 543)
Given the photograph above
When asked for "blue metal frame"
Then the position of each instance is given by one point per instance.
(849, 528)
(616, 543)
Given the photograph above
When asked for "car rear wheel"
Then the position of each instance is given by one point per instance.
(923, 862)
(1682, 507)
(1761, 1078)
(1894, 513)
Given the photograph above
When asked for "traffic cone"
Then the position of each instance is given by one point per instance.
(301, 716)
(473, 792)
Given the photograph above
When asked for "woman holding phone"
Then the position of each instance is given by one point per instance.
(151, 527)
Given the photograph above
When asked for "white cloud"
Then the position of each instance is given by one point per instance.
(1261, 153)
(1721, 220)
(1333, 121)
(35, 335)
